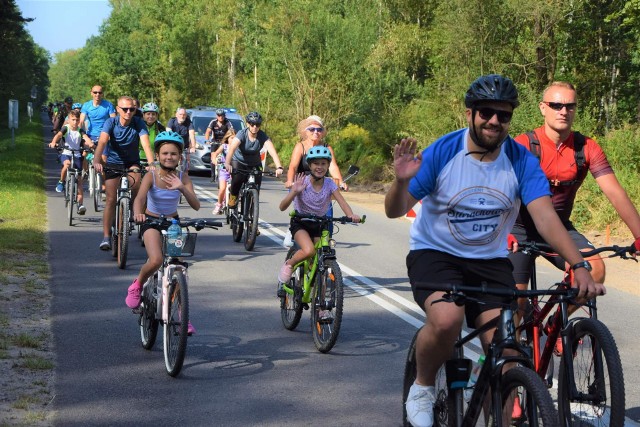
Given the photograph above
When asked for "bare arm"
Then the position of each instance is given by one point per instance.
(297, 187)
(141, 198)
(334, 170)
(55, 140)
(296, 158)
(345, 206)
(406, 163)
(189, 193)
(553, 232)
(97, 156)
(233, 146)
(192, 141)
(274, 155)
(83, 117)
(620, 200)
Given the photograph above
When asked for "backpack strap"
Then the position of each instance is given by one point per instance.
(578, 150)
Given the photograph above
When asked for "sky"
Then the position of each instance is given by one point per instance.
(61, 25)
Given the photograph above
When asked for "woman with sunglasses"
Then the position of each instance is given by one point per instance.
(312, 133)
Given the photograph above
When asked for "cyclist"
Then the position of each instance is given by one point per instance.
(218, 128)
(122, 135)
(96, 112)
(154, 127)
(159, 195)
(74, 138)
(244, 154)
(565, 157)
(218, 159)
(183, 125)
(471, 183)
(61, 115)
(310, 194)
(75, 107)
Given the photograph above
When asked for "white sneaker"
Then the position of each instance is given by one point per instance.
(419, 405)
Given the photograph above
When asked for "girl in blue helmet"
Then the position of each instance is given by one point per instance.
(159, 194)
(310, 194)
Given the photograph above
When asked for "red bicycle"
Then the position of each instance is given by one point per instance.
(590, 380)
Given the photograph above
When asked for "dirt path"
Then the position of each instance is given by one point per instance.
(622, 274)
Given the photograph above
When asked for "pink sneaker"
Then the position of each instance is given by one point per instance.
(217, 209)
(190, 329)
(285, 273)
(133, 295)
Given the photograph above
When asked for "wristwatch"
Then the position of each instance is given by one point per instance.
(583, 264)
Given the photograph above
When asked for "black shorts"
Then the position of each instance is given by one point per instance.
(111, 174)
(523, 263)
(426, 265)
(313, 228)
(144, 227)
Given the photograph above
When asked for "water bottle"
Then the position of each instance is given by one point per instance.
(174, 239)
(473, 378)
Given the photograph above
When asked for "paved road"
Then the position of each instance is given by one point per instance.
(242, 367)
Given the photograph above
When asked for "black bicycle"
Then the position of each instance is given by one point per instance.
(165, 296)
(71, 183)
(503, 386)
(245, 214)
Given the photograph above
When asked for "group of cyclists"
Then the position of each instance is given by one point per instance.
(481, 191)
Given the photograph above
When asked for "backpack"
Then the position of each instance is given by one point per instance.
(578, 147)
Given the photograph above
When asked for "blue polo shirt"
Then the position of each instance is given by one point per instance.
(97, 115)
(124, 140)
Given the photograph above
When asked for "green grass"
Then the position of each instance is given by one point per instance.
(22, 197)
(28, 341)
(33, 362)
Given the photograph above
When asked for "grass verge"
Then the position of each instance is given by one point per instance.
(26, 355)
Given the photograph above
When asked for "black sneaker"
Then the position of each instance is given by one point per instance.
(281, 292)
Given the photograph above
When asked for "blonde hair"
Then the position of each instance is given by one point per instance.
(565, 85)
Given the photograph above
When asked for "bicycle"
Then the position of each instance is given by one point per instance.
(316, 281)
(95, 183)
(246, 212)
(590, 380)
(71, 183)
(165, 296)
(502, 386)
(122, 226)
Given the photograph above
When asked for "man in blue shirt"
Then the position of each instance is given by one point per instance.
(96, 112)
(122, 135)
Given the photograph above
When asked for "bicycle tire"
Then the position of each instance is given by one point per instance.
(123, 226)
(291, 305)
(97, 193)
(328, 295)
(175, 329)
(148, 321)
(593, 348)
(251, 213)
(66, 190)
(72, 196)
(92, 180)
(237, 227)
(535, 401)
(444, 406)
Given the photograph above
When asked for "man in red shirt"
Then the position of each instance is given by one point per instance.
(566, 165)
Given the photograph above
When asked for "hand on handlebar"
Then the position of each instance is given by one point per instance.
(512, 243)
(139, 218)
(636, 245)
(587, 288)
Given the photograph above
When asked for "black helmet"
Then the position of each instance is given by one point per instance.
(220, 112)
(492, 87)
(68, 100)
(254, 118)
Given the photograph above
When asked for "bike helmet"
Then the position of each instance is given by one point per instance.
(254, 118)
(150, 107)
(320, 152)
(492, 87)
(68, 100)
(77, 105)
(168, 137)
(220, 112)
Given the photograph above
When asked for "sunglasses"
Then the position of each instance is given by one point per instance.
(96, 92)
(558, 106)
(255, 124)
(487, 113)
(127, 109)
(312, 130)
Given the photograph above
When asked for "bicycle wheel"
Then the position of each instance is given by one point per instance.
(598, 376)
(535, 401)
(73, 190)
(444, 406)
(92, 180)
(326, 313)
(175, 329)
(123, 227)
(148, 321)
(251, 211)
(291, 305)
(237, 226)
(97, 193)
(66, 190)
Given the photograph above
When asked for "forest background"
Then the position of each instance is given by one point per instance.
(375, 70)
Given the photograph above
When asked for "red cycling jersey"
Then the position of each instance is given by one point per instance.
(559, 165)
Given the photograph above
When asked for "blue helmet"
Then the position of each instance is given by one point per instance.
(168, 137)
(77, 105)
(320, 152)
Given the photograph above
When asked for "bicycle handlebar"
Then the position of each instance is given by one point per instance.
(536, 248)
(484, 289)
(325, 218)
(197, 223)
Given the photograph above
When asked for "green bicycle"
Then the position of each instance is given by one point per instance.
(316, 282)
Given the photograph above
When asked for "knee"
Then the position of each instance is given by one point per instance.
(155, 261)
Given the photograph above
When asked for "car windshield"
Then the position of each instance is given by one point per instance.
(200, 124)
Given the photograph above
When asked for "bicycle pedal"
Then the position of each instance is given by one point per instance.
(326, 321)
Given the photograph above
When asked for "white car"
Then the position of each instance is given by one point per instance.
(201, 116)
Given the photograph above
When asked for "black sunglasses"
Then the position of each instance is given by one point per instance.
(127, 109)
(255, 124)
(558, 106)
(487, 113)
(97, 92)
